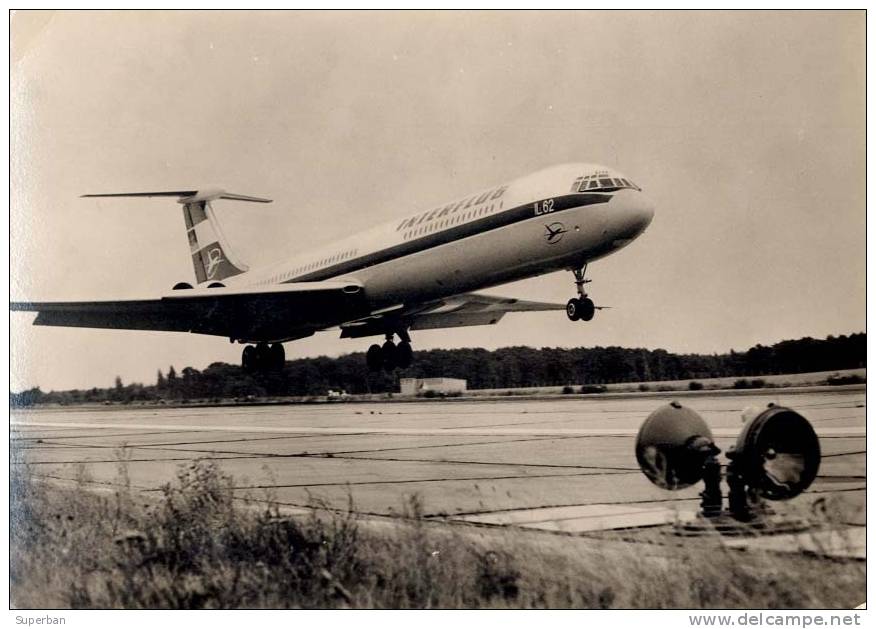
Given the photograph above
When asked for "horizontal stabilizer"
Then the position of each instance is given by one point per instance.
(186, 196)
(212, 256)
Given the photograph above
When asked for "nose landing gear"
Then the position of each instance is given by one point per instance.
(390, 356)
(580, 308)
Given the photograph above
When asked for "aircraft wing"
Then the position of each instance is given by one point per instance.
(453, 312)
(251, 314)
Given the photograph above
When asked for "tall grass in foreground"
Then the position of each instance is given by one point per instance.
(197, 546)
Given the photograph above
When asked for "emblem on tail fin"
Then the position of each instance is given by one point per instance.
(214, 259)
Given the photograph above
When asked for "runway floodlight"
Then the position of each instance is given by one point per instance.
(776, 457)
(672, 446)
(777, 453)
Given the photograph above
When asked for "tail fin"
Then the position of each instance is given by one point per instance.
(212, 257)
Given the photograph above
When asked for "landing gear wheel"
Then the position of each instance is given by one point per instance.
(247, 359)
(586, 308)
(374, 358)
(389, 355)
(404, 355)
(276, 357)
(573, 309)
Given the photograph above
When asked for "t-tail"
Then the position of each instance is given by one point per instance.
(212, 256)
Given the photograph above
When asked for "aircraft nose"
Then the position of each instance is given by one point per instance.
(637, 216)
(645, 211)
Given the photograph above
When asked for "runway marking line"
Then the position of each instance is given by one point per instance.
(583, 432)
(581, 518)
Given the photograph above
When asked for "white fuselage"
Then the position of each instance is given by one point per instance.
(536, 224)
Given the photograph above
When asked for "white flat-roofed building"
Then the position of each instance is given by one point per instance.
(417, 386)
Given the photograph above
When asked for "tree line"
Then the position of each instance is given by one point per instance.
(508, 367)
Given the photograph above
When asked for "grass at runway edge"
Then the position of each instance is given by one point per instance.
(199, 546)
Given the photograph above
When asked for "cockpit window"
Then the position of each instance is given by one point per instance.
(601, 182)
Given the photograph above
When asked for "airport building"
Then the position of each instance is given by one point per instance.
(419, 386)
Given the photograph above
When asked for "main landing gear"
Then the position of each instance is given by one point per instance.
(263, 357)
(580, 308)
(389, 355)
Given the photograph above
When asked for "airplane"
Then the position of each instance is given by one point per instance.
(415, 273)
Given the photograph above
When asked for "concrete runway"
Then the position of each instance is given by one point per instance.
(562, 464)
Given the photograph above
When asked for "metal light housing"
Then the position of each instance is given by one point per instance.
(672, 446)
(778, 453)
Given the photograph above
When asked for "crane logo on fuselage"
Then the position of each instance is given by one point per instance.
(555, 233)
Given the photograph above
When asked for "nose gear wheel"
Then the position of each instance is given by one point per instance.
(580, 308)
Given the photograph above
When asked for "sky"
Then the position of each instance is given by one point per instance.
(747, 130)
